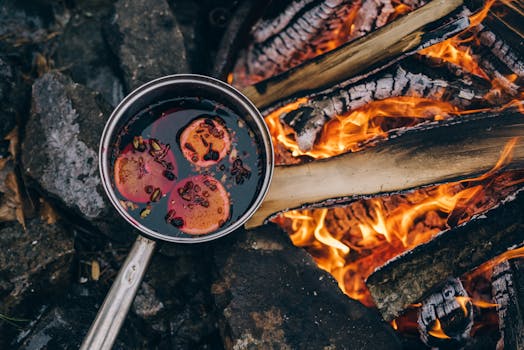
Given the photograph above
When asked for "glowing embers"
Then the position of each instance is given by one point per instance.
(352, 241)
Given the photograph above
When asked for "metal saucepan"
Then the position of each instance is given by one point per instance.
(112, 313)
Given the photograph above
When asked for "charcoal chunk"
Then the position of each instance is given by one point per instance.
(146, 38)
(60, 150)
(273, 295)
(35, 262)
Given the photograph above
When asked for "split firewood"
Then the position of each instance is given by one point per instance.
(455, 149)
(381, 48)
(446, 316)
(508, 294)
(408, 278)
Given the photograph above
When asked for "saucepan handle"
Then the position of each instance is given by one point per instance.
(113, 311)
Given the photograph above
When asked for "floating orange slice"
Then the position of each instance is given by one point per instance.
(205, 141)
(198, 205)
(145, 170)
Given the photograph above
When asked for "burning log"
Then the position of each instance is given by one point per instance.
(398, 165)
(408, 278)
(308, 28)
(309, 118)
(508, 293)
(383, 47)
(446, 317)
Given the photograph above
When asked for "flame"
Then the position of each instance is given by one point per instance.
(348, 132)
(508, 255)
(454, 51)
(351, 241)
(437, 331)
(463, 302)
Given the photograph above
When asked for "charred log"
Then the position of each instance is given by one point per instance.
(308, 120)
(409, 34)
(408, 278)
(508, 293)
(502, 34)
(307, 28)
(446, 316)
(282, 45)
(455, 149)
(236, 31)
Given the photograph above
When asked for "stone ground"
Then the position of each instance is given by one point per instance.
(63, 66)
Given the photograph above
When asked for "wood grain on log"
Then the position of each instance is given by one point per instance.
(432, 154)
(508, 294)
(408, 278)
(399, 38)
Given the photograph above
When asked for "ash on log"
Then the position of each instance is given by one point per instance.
(408, 278)
(446, 316)
(455, 149)
(508, 294)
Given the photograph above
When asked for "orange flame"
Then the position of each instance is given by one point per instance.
(437, 331)
(375, 230)
(453, 50)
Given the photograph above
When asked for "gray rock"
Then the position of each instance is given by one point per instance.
(60, 150)
(146, 304)
(180, 284)
(274, 296)
(12, 97)
(146, 38)
(33, 262)
(83, 51)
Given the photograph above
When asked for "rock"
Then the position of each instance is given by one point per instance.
(146, 304)
(83, 51)
(27, 26)
(146, 38)
(13, 96)
(274, 296)
(181, 312)
(35, 265)
(63, 325)
(60, 150)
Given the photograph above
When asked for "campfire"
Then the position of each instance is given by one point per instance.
(353, 240)
(398, 135)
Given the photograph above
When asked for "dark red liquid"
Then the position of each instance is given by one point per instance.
(159, 152)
